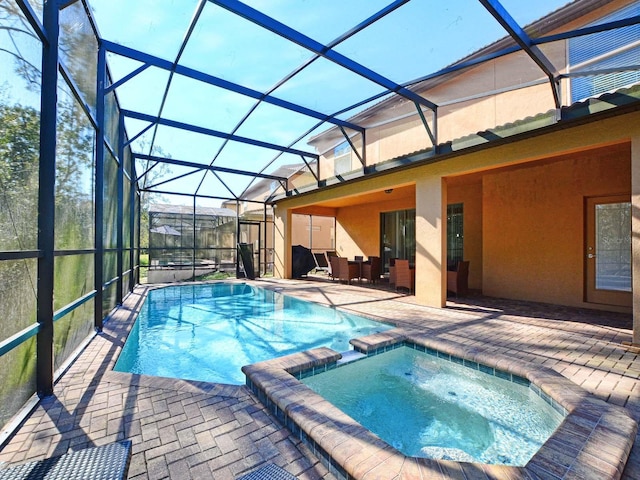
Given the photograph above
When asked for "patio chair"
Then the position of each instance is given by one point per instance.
(457, 280)
(405, 276)
(321, 262)
(106, 462)
(334, 267)
(392, 271)
(347, 270)
(329, 254)
(371, 270)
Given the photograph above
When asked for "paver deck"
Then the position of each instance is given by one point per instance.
(184, 429)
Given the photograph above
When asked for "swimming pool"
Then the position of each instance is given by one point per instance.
(426, 406)
(207, 332)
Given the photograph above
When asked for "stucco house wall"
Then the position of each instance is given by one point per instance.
(524, 196)
(534, 223)
(494, 93)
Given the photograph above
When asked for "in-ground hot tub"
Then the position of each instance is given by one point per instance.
(433, 406)
(593, 440)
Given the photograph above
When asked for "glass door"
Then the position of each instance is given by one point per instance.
(398, 231)
(455, 235)
(608, 251)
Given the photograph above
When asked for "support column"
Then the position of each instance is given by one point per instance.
(431, 273)
(282, 243)
(635, 234)
(99, 190)
(46, 200)
(133, 252)
(120, 216)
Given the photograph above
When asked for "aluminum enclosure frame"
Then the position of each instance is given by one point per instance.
(52, 68)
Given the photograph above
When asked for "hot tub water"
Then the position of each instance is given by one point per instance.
(429, 407)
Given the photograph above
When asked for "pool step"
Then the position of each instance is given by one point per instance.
(350, 356)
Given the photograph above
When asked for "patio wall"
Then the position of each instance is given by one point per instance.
(533, 224)
(527, 224)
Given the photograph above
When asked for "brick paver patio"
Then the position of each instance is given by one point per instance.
(197, 430)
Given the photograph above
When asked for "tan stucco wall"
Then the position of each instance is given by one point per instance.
(430, 286)
(533, 224)
(282, 243)
(497, 92)
(357, 231)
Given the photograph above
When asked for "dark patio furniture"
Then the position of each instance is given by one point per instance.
(107, 462)
(302, 261)
(392, 271)
(457, 280)
(269, 472)
(371, 270)
(347, 270)
(330, 255)
(405, 275)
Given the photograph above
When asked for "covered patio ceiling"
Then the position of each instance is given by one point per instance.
(376, 196)
(217, 94)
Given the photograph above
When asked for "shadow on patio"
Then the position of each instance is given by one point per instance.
(186, 429)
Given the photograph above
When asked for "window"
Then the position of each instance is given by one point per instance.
(342, 158)
(604, 50)
(455, 234)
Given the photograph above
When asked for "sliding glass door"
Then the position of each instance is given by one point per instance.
(398, 232)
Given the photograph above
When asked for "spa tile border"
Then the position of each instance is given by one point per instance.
(593, 441)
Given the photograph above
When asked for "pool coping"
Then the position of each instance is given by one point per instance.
(592, 442)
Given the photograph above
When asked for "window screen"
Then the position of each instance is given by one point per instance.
(605, 50)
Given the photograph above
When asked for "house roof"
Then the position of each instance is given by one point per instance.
(187, 210)
(263, 186)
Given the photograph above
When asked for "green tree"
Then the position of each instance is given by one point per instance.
(19, 33)
(19, 144)
(19, 153)
(19, 177)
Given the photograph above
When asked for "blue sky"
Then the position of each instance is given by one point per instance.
(419, 38)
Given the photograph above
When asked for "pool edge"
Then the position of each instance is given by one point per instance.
(595, 438)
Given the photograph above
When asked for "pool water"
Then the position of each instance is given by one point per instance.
(208, 332)
(426, 406)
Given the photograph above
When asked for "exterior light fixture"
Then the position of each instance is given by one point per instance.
(388, 190)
